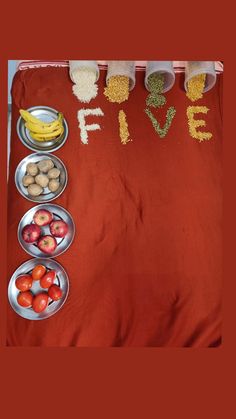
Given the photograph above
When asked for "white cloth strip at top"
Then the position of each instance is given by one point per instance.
(179, 66)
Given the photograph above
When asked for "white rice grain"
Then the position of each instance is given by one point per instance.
(85, 87)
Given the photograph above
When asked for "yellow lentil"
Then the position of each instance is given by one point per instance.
(195, 87)
(196, 123)
(124, 132)
(117, 89)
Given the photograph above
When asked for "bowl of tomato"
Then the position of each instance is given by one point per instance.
(38, 289)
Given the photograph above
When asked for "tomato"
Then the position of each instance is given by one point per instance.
(25, 299)
(47, 280)
(55, 292)
(24, 282)
(38, 272)
(40, 302)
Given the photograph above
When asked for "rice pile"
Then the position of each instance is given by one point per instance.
(85, 87)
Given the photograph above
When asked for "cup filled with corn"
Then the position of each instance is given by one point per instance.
(200, 77)
(120, 80)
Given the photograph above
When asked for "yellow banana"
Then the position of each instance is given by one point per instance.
(60, 117)
(47, 137)
(42, 129)
(29, 118)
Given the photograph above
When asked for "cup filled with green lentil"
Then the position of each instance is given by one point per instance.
(163, 68)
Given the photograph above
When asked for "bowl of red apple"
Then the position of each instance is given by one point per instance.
(46, 231)
(38, 288)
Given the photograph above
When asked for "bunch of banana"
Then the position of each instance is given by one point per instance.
(42, 131)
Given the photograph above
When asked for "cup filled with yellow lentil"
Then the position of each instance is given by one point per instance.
(200, 77)
(120, 80)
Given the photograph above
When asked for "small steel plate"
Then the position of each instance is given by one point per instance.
(47, 195)
(46, 114)
(53, 306)
(59, 213)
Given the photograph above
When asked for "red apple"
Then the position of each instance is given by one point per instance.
(47, 244)
(42, 217)
(58, 228)
(31, 233)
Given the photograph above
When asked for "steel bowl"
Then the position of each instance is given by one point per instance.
(59, 213)
(53, 306)
(47, 195)
(46, 114)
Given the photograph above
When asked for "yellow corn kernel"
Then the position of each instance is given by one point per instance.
(117, 89)
(196, 123)
(195, 87)
(124, 131)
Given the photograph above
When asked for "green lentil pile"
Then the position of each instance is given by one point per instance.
(169, 117)
(156, 99)
(156, 85)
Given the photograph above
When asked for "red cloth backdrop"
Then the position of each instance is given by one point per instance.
(145, 266)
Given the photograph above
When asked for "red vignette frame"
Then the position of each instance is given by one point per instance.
(135, 382)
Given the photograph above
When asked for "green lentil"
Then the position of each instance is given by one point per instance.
(156, 82)
(169, 117)
(156, 85)
(155, 100)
